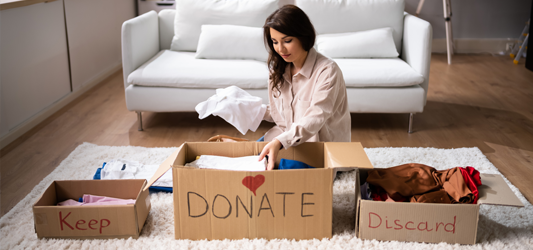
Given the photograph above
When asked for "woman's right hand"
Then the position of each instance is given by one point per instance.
(271, 149)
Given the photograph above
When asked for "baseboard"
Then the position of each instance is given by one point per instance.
(27, 125)
(491, 46)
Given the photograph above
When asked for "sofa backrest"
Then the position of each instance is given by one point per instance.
(328, 16)
(340, 16)
(166, 28)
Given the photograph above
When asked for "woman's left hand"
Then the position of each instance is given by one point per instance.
(271, 149)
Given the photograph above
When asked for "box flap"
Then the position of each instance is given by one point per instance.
(495, 191)
(163, 168)
(345, 156)
(142, 207)
(357, 200)
(48, 197)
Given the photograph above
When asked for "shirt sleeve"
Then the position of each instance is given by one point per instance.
(321, 108)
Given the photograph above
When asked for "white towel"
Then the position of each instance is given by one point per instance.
(236, 106)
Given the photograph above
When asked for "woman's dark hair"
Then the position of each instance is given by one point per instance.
(291, 21)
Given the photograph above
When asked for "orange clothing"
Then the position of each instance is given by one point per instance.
(422, 184)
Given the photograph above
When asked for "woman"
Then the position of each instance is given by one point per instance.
(307, 93)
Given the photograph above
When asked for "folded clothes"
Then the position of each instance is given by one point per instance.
(245, 163)
(120, 169)
(423, 184)
(95, 200)
(125, 169)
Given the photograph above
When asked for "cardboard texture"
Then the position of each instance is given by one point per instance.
(293, 204)
(425, 222)
(91, 222)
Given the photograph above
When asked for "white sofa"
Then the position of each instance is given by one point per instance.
(157, 79)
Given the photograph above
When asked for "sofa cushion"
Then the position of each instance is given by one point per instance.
(181, 69)
(191, 14)
(361, 44)
(390, 72)
(341, 16)
(231, 42)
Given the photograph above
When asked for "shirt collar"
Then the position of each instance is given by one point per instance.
(309, 64)
(307, 69)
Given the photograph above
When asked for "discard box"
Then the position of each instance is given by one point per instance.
(91, 222)
(428, 222)
(292, 204)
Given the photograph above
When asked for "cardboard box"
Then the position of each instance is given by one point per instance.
(293, 204)
(426, 222)
(91, 222)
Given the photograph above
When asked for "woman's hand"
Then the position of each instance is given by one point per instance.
(271, 149)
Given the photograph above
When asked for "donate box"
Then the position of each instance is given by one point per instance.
(91, 222)
(292, 204)
(428, 222)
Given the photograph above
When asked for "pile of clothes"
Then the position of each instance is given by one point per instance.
(126, 169)
(420, 183)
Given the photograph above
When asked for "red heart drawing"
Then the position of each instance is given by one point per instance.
(253, 183)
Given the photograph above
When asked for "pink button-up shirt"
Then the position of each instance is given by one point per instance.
(312, 106)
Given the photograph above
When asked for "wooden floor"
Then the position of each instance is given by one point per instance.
(478, 101)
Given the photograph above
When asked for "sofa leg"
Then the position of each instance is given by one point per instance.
(140, 120)
(411, 115)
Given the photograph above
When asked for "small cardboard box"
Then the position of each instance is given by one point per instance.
(293, 204)
(91, 222)
(426, 222)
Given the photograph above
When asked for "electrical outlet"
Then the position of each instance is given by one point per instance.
(509, 46)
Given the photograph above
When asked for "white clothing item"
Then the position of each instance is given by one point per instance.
(124, 169)
(147, 171)
(236, 106)
(245, 163)
(119, 169)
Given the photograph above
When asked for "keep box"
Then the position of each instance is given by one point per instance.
(91, 222)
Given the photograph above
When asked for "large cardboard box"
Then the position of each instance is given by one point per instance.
(293, 204)
(91, 222)
(425, 222)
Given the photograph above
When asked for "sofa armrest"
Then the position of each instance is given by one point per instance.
(416, 47)
(140, 42)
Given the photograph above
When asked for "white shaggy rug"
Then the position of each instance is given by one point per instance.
(500, 227)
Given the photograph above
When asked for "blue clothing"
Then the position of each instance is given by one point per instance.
(262, 138)
(292, 164)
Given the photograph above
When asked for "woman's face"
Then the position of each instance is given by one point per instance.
(288, 47)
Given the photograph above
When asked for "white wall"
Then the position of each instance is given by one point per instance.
(476, 19)
(93, 28)
(34, 57)
(34, 69)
